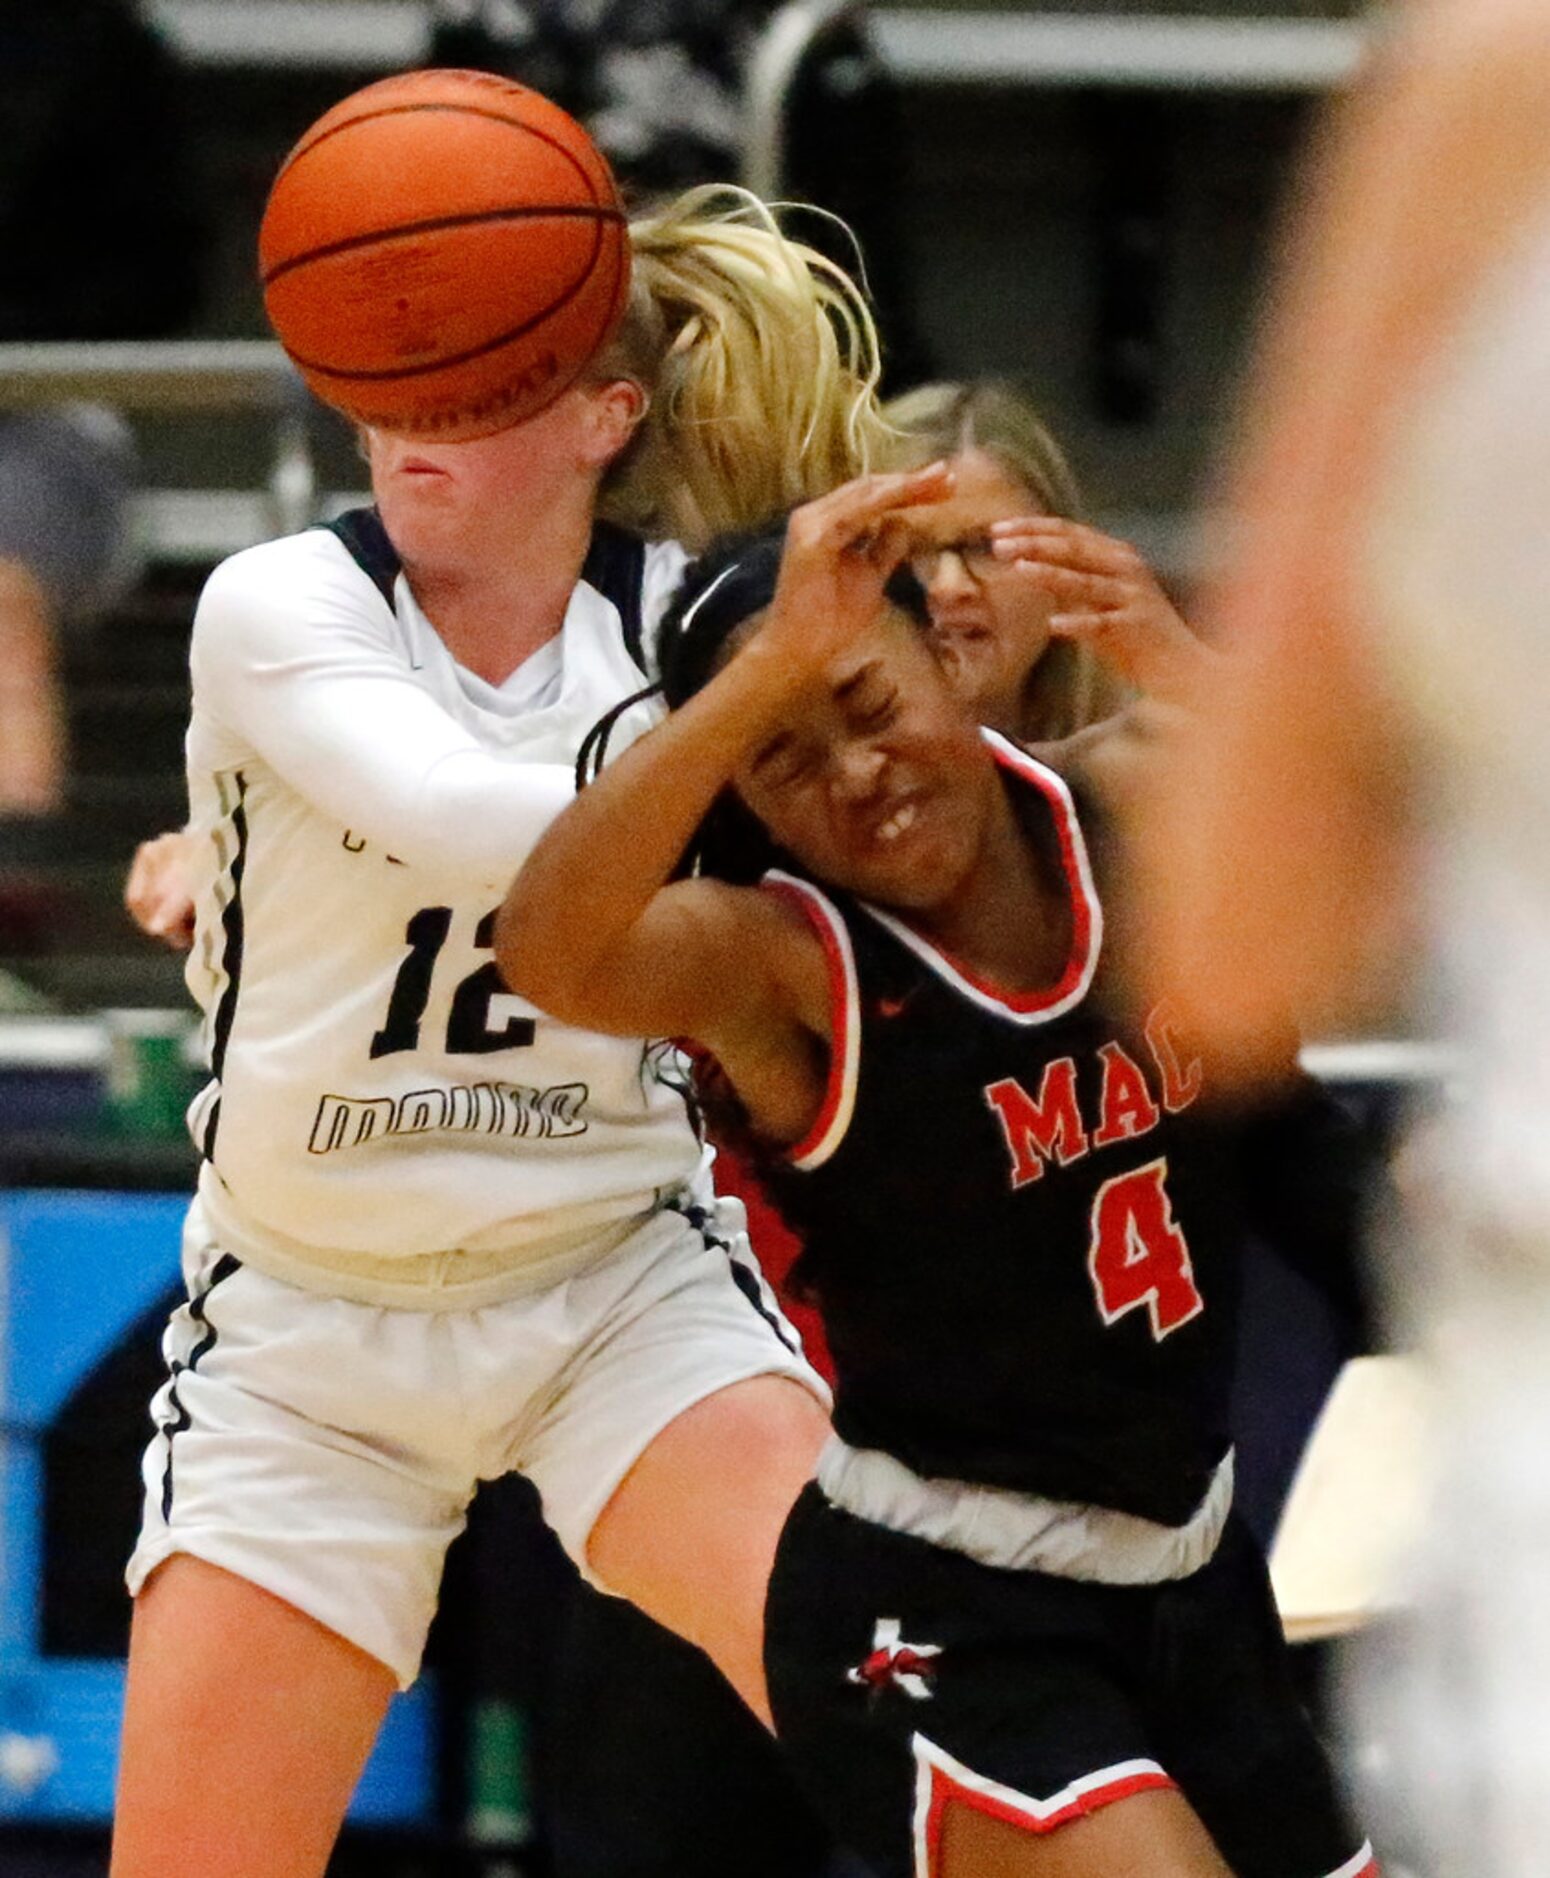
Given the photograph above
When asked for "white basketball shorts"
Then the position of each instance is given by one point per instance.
(327, 1450)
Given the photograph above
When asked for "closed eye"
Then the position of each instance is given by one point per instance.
(781, 763)
(872, 716)
(867, 698)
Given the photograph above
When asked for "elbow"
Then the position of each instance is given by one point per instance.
(551, 976)
(521, 964)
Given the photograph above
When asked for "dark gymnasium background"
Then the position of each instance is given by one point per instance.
(1081, 198)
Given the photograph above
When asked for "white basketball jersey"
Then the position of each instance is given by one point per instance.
(376, 1095)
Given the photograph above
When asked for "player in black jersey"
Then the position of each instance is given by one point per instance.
(1013, 1627)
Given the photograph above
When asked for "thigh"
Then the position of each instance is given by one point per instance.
(679, 1435)
(1152, 1833)
(924, 1697)
(690, 1534)
(246, 1726)
(1234, 1730)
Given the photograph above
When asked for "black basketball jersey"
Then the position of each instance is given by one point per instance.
(1015, 1227)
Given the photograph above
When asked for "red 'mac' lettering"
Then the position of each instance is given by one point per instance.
(1180, 1083)
(1125, 1105)
(1036, 1131)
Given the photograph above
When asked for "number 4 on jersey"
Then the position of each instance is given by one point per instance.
(1137, 1254)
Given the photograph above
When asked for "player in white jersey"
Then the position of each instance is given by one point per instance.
(1378, 772)
(437, 1236)
(359, 807)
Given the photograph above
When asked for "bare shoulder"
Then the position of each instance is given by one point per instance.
(774, 946)
(773, 1025)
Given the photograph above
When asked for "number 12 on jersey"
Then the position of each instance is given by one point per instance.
(468, 1021)
(1137, 1254)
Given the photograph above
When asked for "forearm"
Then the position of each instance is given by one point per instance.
(369, 749)
(588, 883)
(295, 664)
(385, 761)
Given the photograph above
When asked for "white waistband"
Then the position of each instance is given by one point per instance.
(1023, 1531)
(453, 1280)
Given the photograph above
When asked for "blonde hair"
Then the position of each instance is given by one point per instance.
(1066, 690)
(760, 361)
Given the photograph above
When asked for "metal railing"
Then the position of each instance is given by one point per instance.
(179, 377)
(1007, 46)
(192, 377)
(83, 1043)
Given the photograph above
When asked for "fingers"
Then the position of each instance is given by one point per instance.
(885, 545)
(172, 923)
(849, 514)
(156, 895)
(144, 872)
(170, 915)
(1056, 540)
(1075, 592)
(1076, 625)
(1131, 644)
(1161, 657)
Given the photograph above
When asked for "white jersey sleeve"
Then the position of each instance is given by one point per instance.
(300, 663)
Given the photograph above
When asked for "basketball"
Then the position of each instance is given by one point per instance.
(442, 253)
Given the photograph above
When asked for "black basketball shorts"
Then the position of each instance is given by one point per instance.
(904, 1677)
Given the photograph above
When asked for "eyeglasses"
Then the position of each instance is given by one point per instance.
(975, 556)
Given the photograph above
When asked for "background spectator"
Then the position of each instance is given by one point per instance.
(99, 239)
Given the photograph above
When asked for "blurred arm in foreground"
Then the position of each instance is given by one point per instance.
(1281, 875)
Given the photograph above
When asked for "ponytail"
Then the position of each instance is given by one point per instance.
(761, 363)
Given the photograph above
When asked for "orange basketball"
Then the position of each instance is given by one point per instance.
(442, 253)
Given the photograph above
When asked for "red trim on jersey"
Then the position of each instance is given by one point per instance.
(1073, 861)
(839, 1093)
(1086, 912)
(940, 1780)
(1363, 1865)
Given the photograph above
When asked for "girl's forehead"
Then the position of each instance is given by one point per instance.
(893, 646)
(984, 491)
(889, 655)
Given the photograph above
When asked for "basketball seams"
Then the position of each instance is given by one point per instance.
(562, 384)
(462, 110)
(487, 346)
(406, 231)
